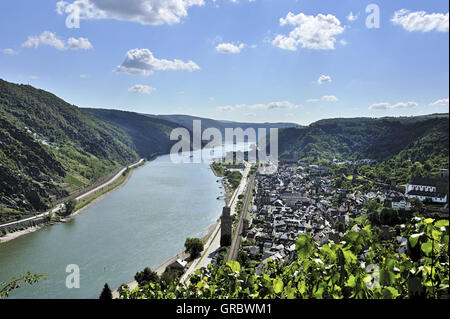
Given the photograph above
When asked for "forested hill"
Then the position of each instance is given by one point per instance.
(49, 148)
(150, 135)
(411, 138)
(187, 121)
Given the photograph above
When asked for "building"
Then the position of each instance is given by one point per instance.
(178, 265)
(434, 189)
(225, 227)
(399, 203)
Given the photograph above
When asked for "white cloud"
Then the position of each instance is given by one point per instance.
(230, 108)
(326, 98)
(229, 48)
(10, 51)
(78, 44)
(352, 17)
(154, 12)
(323, 79)
(275, 106)
(311, 32)
(343, 42)
(441, 102)
(142, 62)
(421, 21)
(261, 106)
(330, 98)
(388, 106)
(50, 39)
(226, 108)
(141, 89)
(84, 76)
(34, 77)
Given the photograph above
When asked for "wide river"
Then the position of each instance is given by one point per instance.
(142, 224)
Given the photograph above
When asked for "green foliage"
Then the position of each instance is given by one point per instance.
(218, 169)
(234, 178)
(7, 287)
(149, 135)
(333, 271)
(70, 206)
(146, 276)
(169, 276)
(194, 246)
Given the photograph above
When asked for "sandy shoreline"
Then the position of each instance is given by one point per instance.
(11, 236)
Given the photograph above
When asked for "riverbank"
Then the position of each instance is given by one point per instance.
(89, 202)
(225, 185)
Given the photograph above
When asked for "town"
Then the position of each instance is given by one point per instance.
(304, 199)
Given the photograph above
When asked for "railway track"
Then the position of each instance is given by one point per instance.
(236, 242)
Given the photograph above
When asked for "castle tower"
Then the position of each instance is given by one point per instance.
(225, 227)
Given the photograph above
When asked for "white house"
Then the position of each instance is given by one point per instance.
(427, 188)
(401, 203)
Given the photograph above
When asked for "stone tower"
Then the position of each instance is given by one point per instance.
(225, 227)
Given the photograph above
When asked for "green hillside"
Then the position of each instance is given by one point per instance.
(150, 136)
(402, 145)
(379, 139)
(49, 148)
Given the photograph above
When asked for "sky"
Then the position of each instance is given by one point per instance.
(240, 60)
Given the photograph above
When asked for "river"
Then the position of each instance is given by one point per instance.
(141, 224)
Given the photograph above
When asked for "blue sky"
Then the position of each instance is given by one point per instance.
(239, 60)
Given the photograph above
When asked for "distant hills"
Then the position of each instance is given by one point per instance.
(357, 138)
(187, 121)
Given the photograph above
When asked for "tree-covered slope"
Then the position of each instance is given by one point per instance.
(150, 136)
(49, 148)
(380, 139)
(187, 121)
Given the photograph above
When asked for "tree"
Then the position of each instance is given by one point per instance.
(106, 293)
(70, 206)
(416, 203)
(169, 276)
(7, 287)
(146, 276)
(194, 246)
(243, 258)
